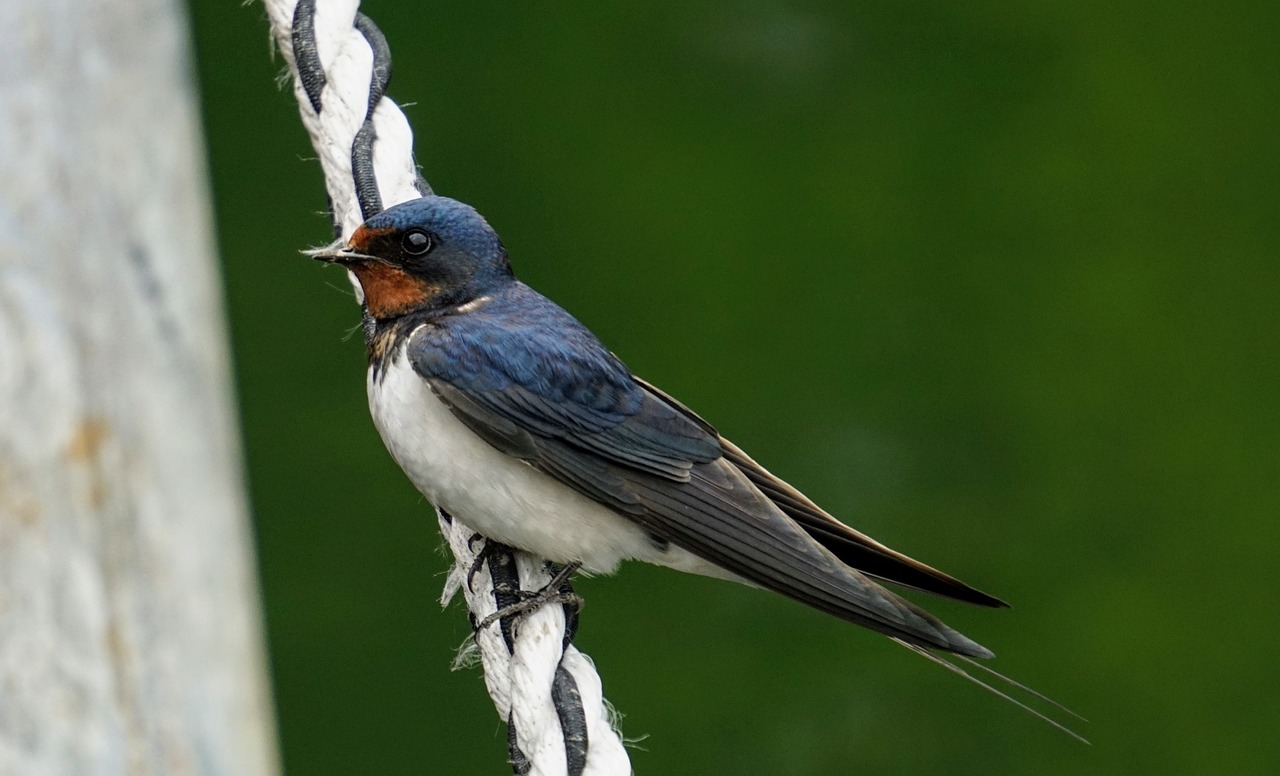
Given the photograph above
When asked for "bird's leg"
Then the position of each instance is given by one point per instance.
(553, 592)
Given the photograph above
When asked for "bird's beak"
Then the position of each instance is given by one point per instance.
(336, 252)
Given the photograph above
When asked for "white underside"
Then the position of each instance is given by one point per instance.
(502, 497)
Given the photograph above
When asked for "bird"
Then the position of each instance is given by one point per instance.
(508, 413)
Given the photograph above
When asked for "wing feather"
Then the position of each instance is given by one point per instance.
(851, 546)
(578, 415)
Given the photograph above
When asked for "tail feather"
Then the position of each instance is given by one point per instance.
(1021, 686)
(952, 667)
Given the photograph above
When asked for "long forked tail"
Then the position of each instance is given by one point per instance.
(952, 667)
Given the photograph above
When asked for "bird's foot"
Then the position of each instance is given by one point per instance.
(486, 552)
(556, 591)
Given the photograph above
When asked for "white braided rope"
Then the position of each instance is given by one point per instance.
(519, 681)
(347, 61)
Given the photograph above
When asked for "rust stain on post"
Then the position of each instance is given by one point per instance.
(85, 448)
(87, 441)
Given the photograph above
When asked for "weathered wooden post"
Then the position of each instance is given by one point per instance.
(130, 640)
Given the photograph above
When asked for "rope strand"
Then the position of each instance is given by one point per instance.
(546, 690)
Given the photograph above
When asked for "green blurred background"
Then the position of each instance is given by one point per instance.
(996, 282)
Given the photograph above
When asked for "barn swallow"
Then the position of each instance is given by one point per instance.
(508, 413)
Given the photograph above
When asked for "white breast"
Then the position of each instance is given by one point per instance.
(500, 496)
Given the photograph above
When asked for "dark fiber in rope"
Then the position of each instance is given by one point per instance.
(381, 79)
(362, 171)
(573, 719)
(310, 72)
(381, 73)
(520, 764)
(362, 147)
(306, 57)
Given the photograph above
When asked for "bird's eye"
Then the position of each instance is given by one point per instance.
(416, 242)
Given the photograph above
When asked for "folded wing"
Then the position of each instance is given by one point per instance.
(578, 415)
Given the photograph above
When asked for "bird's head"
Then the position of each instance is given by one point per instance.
(423, 254)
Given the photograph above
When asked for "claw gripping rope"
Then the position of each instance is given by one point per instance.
(546, 691)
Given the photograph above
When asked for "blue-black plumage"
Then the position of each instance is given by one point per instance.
(509, 413)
